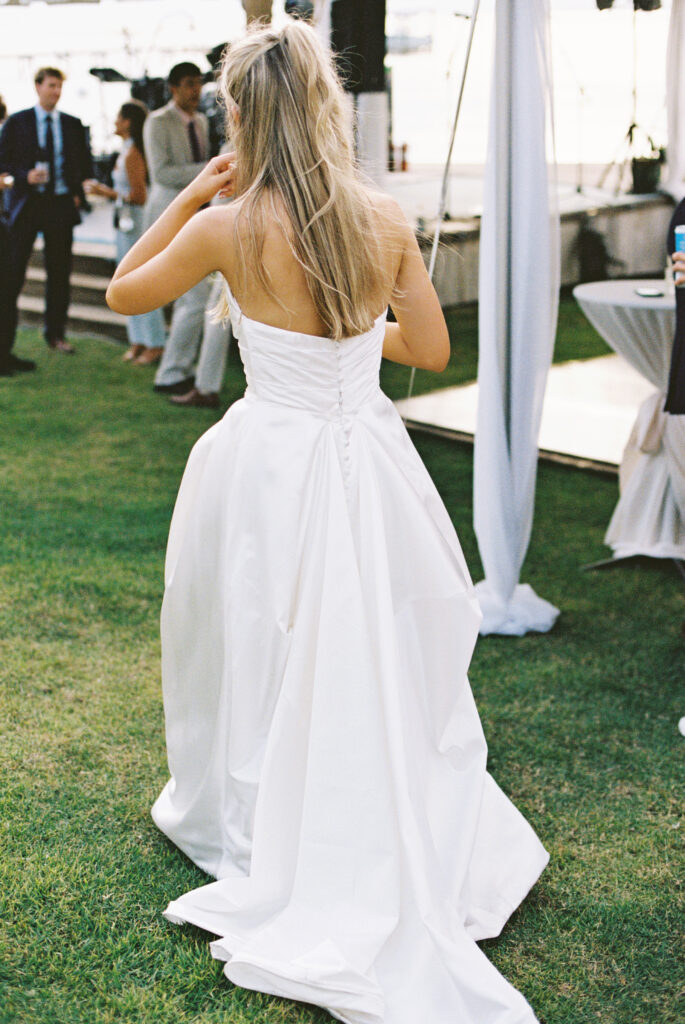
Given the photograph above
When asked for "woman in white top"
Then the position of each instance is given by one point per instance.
(146, 332)
(326, 757)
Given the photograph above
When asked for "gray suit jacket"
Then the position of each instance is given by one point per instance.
(169, 157)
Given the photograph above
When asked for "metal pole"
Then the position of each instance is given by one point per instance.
(511, 17)
(446, 173)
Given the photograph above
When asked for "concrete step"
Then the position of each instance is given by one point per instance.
(83, 317)
(88, 289)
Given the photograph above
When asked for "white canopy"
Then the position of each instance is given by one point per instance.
(518, 301)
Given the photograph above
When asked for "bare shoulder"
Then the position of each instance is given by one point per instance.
(134, 158)
(214, 230)
(218, 220)
(392, 221)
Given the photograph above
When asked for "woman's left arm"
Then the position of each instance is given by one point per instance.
(180, 249)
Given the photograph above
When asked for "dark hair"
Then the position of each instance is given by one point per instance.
(3, 109)
(43, 73)
(183, 70)
(135, 112)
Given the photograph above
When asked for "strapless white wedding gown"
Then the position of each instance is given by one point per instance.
(327, 760)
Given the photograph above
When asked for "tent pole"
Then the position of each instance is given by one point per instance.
(511, 11)
(446, 173)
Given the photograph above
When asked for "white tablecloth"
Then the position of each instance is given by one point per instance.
(649, 518)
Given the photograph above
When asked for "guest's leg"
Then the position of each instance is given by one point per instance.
(147, 329)
(6, 299)
(184, 338)
(57, 226)
(20, 238)
(213, 352)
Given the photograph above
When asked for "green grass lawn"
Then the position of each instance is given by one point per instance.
(581, 722)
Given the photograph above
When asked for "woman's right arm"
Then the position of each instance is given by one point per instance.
(420, 337)
(180, 248)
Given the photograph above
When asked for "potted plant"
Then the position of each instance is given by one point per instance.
(647, 169)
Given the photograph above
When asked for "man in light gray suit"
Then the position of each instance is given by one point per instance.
(177, 148)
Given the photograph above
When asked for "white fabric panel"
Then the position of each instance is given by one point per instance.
(322, 20)
(518, 300)
(649, 518)
(675, 100)
(674, 446)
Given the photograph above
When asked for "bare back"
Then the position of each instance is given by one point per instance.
(291, 306)
(183, 246)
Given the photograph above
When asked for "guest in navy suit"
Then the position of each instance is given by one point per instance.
(48, 156)
(5, 302)
(675, 396)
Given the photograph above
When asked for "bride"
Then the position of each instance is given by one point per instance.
(327, 762)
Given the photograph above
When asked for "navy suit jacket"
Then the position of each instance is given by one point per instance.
(19, 152)
(675, 396)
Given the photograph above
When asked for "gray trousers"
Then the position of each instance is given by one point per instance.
(216, 337)
(191, 324)
(183, 342)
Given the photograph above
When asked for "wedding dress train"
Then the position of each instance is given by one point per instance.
(327, 761)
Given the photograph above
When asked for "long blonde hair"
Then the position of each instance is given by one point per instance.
(293, 140)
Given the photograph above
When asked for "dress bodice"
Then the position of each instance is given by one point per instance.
(119, 176)
(306, 371)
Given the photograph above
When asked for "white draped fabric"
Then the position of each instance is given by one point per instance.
(649, 518)
(675, 100)
(518, 301)
(322, 20)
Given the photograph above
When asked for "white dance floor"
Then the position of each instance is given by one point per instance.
(589, 410)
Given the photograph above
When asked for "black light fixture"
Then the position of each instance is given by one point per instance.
(358, 40)
(638, 5)
(108, 75)
(300, 9)
(154, 92)
(215, 56)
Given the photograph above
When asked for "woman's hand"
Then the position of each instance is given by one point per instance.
(180, 248)
(96, 188)
(217, 178)
(679, 268)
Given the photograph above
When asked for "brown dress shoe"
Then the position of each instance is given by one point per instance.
(197, 398)
(149, 357)
(132, 353)
(60, 345)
